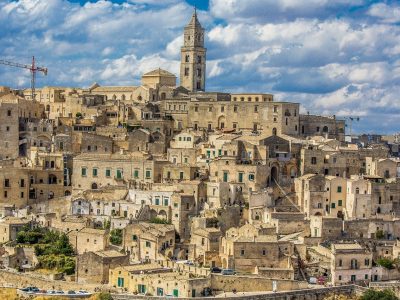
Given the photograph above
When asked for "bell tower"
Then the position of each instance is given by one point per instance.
(193, 57)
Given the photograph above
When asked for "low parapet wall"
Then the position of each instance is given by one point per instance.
(306, 294)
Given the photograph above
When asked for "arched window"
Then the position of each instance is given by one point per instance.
(325, 129)
(187, 57)
(274, 131)
(94, 186)
(163, 96)
(123, 97)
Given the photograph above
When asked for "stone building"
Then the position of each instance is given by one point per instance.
(251, 246)
(89, 239)
(329, 158)
(144, 241)
(93, 170)
(155, 280)
(94, 267)
(321, 195)
(9, 228)
(329, 127)
(16, 112)
(350, 263)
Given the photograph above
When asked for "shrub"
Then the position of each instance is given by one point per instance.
(61, 263)
(104, 296)
(379, 295)
(159, 221)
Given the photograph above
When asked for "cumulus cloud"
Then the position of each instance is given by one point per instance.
(388, 14)
(273, 10)
(333, 56)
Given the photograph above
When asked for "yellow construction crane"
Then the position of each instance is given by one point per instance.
(33, 68)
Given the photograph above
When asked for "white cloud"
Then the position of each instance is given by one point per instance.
(388, 14)
(299, 50)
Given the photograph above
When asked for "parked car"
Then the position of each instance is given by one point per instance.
(228, 272)
(215, 270)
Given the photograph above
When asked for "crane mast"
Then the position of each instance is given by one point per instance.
(32, 68)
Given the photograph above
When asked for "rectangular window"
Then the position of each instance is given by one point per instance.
(157, 201)
(340, 203)
(235, 108)
(134, 237)
(136, 174)
(141, 289)
(225, 176)
(240, 179)
(333, 205)
(84, 171)
(366, 262)
(120, 282)
(339, 189)
(108, 172)
(148, 244)
(242, 252)
(148, 174)
(94, 172)
(166, 201)
(119, 174)
(251, 177)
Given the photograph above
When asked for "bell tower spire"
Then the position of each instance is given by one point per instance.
(193, 56)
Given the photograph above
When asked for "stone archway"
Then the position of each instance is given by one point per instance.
(274, 175)
(221, 122)
(162, 214)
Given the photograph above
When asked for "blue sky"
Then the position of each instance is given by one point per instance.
(337, 57)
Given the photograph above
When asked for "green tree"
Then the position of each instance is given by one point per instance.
(116, 237)
(379, 295)
(380, 234)
(386, 263)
